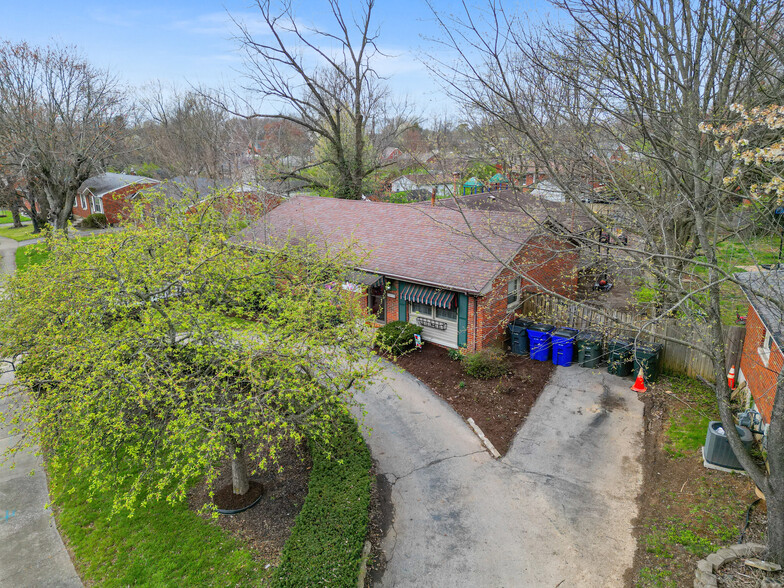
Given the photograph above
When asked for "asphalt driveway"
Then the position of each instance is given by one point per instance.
(556, 510)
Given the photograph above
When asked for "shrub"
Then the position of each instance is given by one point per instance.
(397, 337)
(485, 364)
(96, 220)
(455, 354)
(325, 546)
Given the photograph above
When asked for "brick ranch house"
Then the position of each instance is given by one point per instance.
(762, 358)
(109, 194)
(422, 264)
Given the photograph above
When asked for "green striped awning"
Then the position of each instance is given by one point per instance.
(425, 295)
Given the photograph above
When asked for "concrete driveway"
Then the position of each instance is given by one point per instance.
(557, 510)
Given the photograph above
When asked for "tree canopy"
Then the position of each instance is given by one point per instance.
(130, 367)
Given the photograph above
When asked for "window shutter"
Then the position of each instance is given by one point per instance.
(401, 308)
(462, 320)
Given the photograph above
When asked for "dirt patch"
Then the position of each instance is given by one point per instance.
(266, 526)
(498, 405)
(381, 516)
(686, 510)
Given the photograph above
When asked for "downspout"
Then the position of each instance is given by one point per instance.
(476, 334)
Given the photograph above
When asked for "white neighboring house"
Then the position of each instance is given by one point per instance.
(427, 182)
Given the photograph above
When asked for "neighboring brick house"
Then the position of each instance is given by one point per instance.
(762, 358)
(424, 264)
(109, 194)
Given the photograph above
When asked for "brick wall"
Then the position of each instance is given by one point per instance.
(549, 261)
(77, 209)
(392, 303)
(760, 378)
(117, 203)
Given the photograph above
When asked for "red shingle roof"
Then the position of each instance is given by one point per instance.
(427, 245)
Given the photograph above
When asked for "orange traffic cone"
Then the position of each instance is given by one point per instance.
(731, 378)
(639, 383)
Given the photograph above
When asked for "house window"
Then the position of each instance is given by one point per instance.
(764, 350)
(447, 314)
(426, 310)
(97, 204)
(83, 201)
(513, 293)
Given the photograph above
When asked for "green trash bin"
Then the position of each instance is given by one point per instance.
(620, 356)
(648, 357)
(589, 349)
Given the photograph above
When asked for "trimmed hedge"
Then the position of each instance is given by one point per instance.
(96, 220)
(397, 337)
(325, 546)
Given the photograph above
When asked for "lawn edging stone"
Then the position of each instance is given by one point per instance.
(705, 577)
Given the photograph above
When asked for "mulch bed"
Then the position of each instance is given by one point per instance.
(498, 405)
(225, 499)
(266, 526)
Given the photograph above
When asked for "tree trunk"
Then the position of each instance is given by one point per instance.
(775, 504)
(774, 493)
(239, 470)
(15, 215)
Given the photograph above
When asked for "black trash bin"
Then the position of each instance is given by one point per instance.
(519, 335)
(619, 356)
(589, 349)
(648, 357)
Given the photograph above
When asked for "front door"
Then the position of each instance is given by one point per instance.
(377, 302)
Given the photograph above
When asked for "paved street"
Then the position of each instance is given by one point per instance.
(557, 508)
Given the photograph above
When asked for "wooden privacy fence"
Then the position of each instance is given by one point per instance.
(676, 357)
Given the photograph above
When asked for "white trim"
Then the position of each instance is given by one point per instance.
(765, 350)
(97, 203)
(517, 282)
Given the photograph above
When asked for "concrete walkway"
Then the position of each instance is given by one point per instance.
(557, 510)
(31, 549)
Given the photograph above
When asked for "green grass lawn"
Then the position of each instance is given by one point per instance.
(23, 234)
(5, 217)
(165, 545)
(161, 545)
(29, 255)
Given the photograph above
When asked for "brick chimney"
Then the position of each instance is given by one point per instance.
(433, 197)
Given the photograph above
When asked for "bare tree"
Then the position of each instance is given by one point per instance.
(60, 119)
(324, 81)
(187, 132)
(617, 98)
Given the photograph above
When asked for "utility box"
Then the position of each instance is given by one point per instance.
(717, 450)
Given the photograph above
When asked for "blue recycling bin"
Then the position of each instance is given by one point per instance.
(563, 346)
(539, 337)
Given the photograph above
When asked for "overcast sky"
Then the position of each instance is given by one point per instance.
(190, 41)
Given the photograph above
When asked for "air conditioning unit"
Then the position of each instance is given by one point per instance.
(717, 450)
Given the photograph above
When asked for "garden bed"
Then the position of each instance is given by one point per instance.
(498, 405)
